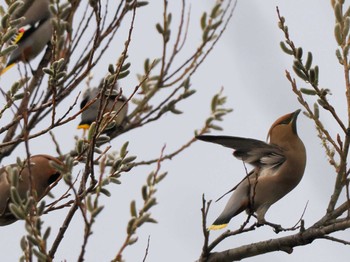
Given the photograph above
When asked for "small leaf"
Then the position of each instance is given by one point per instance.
(322, 103)
(215, 12)
(338, 12)
(204, 21)
(18, 213)
(105, 192)
(92, 130)
(175, 111)
(150, 203)
(161, 177)
(144, 192)
(129, 159)
(346, 26)
(308, 61)
(146, 65)
(9, 35)
(299, 53)
(141, 220)
(8, 50)
(123, 149)
(47, 233)
(141, 3)
(339, 56)
(307, 91)
(300, 73)
(130, 228)
(103, 139)
(15, 197)
(41, 256)
(132, 241)
(123, 74)
(133, 210)
(316, 111)
(97, 211)
(338, 34)
(13, 7)
(125, 66)
(215, 127)
(24, 243)
(32, 240)
(159, 29)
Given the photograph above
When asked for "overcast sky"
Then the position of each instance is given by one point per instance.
(250, 66)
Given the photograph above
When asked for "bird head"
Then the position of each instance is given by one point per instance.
(284, 128)
(42, 172)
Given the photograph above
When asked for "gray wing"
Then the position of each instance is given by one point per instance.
(252, 151)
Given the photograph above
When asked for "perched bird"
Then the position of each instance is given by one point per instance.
(115, 104)
(279, 167)
(34, 33)
(42, 176)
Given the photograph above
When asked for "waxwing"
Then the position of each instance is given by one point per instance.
(115, 104)
(35, 32)
(42, 176)
(278, 168)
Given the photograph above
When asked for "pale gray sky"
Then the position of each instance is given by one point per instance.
(250, 66)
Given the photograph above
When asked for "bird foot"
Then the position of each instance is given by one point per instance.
(277, 228)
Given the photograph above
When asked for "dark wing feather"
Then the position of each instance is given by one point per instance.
(252, 151)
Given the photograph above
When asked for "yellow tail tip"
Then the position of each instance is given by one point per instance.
(84, 126)
(3, 71)
(217, 227)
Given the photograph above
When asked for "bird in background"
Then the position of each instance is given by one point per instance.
(42, 176)
(278, 168)
(116, 104)
(34, 33)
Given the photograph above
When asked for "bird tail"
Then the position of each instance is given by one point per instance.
(217, 227)
(83, 126)
(3, 71)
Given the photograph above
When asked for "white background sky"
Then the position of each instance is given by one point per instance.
(250, 66)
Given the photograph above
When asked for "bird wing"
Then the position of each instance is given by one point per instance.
(26, 31)
(252, 151)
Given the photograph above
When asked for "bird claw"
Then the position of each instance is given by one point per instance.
(276, 228)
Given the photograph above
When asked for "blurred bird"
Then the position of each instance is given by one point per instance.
(42, 176)
(279, 167)
(115, 104)
(34, 33)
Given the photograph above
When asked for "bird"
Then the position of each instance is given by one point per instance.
(34, 33)
(116, 103)
(278, 168)
(42, 176)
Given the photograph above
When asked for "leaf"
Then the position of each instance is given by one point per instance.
(159, 29)
(204, 21)
(8, 50)
(133, 210)
(338, 34)
(123, 149)
(215, 12)
(300, 73)
(307, 91)
(338, 12)
(9, 35)
(286, 49)
(132, 241)
(308, 61)
(144, 191)
(299, 53)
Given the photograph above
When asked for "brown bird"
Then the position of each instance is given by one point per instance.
(42, 176)
(279, 167)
